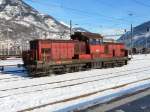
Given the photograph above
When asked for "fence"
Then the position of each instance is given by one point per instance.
(5, 52)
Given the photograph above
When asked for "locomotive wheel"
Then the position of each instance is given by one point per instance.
(96, 65)
(126, 62)
(112, 65)
(45, 70)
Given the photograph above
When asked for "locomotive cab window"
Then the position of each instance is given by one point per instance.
(99, 41)
(95, 41)
(46, 50)
(90, 41)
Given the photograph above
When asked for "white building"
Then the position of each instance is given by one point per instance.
(9, 47)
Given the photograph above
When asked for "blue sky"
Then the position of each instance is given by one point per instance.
(102, 16)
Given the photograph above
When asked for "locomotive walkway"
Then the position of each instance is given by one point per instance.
(72, 91)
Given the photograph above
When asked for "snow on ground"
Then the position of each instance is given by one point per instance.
(98, 98)
(11, 61)
(95, 86)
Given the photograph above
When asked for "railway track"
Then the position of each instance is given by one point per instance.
(13, 75)
(76, 97)
(13, 79)
(16, 78)
(72, 78)
(8, 77)
(16, 88)
(80, 78)
(64, 84)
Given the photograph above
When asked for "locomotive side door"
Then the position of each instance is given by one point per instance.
(113, 53)
(46, 54)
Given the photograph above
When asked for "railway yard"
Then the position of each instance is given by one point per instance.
(63, 56)
(71, 91)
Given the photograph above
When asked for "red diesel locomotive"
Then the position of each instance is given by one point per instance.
(84, 51)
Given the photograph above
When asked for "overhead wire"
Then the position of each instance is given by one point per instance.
(99, 15)
(127, 12)
(82, 11)
(89, 13)
(141, 3)
(109, 18)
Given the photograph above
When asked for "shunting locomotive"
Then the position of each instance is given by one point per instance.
(83, 51)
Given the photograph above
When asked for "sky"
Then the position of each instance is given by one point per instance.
(101, 16)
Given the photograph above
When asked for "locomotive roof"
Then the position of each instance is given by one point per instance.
(120, 43)
(87, 35)
(53, 40)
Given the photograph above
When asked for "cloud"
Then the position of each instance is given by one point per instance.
(114, 33)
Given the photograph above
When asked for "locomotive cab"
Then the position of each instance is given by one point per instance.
(90, 39)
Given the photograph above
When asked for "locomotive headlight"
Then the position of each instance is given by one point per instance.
(97, 50)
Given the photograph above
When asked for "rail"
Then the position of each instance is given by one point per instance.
(77, 97)
(74, 83)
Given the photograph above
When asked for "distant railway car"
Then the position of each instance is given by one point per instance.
(84, 51)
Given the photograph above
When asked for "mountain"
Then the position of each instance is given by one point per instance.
(19, 22)
(79, 29)
(141, 36)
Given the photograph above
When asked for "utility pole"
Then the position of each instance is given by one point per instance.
(146, 41)
(7, 41)
(131, 41)
(70, 28)
(131, 46)
(45, 35)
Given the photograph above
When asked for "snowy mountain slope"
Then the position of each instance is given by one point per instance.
(140, 36)
(27, 23)
(80, 29)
